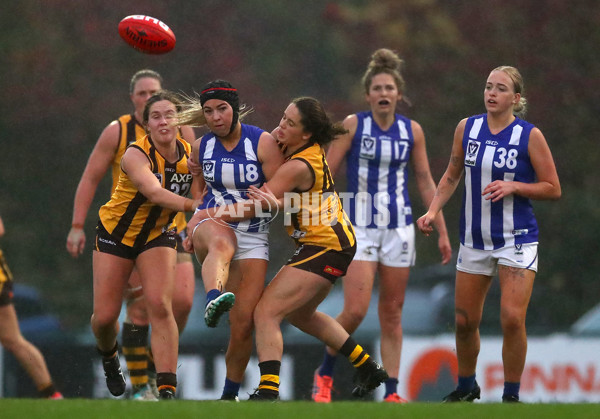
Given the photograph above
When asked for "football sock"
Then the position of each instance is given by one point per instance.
(269, 377)
(391, 386)
(212, 294)
(151, 366)
(109, 354)
(466, 383)
(354, 352)
(231, 387)
(47, 391)
(511, 389)
(166, 381)
(135, 341)
(327, 365)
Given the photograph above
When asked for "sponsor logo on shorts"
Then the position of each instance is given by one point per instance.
(332, 271)
(110, 242)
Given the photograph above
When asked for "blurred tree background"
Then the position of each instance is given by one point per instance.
(65, 75)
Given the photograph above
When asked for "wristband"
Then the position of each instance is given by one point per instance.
(77, 225)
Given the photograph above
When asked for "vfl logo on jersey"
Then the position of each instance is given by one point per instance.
(208, 169)
(471, 153)
(159, 177)
(367, 147)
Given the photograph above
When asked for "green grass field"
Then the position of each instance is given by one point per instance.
(181, 409)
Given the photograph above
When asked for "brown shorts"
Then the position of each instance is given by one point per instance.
(328, 263)
(106, 243)
(6, 282)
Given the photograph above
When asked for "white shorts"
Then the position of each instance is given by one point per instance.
(390, 247)
(485, 262)
(249, 245)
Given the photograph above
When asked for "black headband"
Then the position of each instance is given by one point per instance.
(222, 90)
(228, 94)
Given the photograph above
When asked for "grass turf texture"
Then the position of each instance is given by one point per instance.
(181, 409)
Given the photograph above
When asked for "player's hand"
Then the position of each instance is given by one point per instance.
(265, 196)
(498, 189)
(425, 224)
(194, 168)
(445, 248)
(188, 244)
(75, 241)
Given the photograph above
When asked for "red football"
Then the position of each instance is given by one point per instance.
(147, 34)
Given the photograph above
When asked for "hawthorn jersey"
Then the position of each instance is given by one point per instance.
(377, 173)
(229, 174)
(317, 216)
(130, 130)
(5, 274)
(6, 282)
(129, 217)
(488, 225)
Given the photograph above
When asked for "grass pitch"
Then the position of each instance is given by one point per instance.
(182, 409)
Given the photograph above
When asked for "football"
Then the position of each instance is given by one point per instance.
(147, 34)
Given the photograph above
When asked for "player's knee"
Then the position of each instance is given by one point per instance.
(12, 343)
(158, 307)
(137, 314)
(465, 325)
(223, 246)
(512, 321)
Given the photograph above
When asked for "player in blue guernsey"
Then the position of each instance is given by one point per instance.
(506, 162)
(234, 256)
(378, 148)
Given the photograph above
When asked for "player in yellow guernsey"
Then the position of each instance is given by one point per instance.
(30, 358)
(136, 229)
(107, 154)
(326, 246)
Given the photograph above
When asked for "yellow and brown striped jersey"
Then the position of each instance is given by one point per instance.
(317, 216)
(129, 217)
(130, 130)
(5, 274)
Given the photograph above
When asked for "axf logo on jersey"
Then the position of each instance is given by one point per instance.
(471, 153)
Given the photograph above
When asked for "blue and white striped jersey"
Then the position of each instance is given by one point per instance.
(377, 174)
(504, 156)
(229, 174)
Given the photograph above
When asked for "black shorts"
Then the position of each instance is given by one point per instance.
(106, 243)
(328, 263)
(6, 282)
(180, 237)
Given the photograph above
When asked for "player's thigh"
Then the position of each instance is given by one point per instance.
(293, 290)
(157, 271)
(358, 285)
(469, 296)
(392, 287)
(9, 324)
(516, 287)
(111, 274)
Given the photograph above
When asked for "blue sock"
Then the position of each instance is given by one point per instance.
(466, 383)
(231, 387)
(391, 386)
(212, 294)
(511, 389)
(327, 365)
